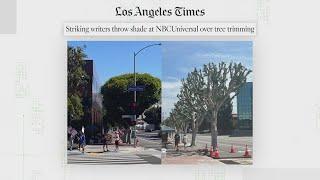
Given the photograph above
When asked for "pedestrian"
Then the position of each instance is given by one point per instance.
(185, 141)
(105, 142)
(82, 141)
(71, 142)
(164, 138)
(117, 139)
(69, 136)
(73, 134)
(176, 141)
(129, 136)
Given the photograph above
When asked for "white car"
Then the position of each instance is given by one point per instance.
(140, 126)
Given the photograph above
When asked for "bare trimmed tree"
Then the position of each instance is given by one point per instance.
(222, 82)
(191, 99)
(204, 92)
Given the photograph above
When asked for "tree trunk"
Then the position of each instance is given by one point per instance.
(194, 132)
(185, 130)
(214, 130)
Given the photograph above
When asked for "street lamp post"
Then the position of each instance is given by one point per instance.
(135, 82)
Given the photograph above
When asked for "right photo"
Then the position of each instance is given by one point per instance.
(207, 102)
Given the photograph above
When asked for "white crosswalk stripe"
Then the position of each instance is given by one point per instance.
(105, 158)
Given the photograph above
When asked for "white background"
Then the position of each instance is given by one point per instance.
(286, 88)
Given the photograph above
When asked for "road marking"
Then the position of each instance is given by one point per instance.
(106, 159)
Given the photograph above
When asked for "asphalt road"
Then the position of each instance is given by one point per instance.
(147, 152)
(111, 158)
(94, 155)
(152, 141)
(149, 140)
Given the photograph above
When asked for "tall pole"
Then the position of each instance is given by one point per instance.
(135, 77)
(134, 97)
(135, 85)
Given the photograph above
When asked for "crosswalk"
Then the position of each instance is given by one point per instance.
(109, 158)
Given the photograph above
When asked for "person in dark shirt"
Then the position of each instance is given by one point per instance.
(176, 141)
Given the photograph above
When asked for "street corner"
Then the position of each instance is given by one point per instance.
(130, 149)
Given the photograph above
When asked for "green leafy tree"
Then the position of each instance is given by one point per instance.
(75, 111)
(153, 115)
(77, 79)
(117, 100)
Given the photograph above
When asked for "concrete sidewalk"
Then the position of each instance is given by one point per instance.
(224, 152)
(197, 155)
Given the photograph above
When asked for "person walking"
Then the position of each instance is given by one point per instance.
(129, 136)
(164, 139)
(116, 142)
(73, 134)
(185, 141)
(105, 142)
(82, 141)
(176, 141)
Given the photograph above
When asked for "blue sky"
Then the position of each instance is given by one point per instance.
(112, 58)
(170, 62)
(179, 58)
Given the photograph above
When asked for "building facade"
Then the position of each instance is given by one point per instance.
(97, 110)
(87, 92)
(92, 103)
(245, 107)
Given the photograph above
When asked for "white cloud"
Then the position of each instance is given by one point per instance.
(171, 78)
(170, 85)
(170, 90)
(219, 56)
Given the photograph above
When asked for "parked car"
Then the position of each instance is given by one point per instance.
(150, 128)
(140, 125)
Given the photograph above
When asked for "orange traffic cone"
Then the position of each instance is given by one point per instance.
(246, 153)
(211, 152)
(216, 153)
(232, 150)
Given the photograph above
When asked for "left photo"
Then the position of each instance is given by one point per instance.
(114, 102)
